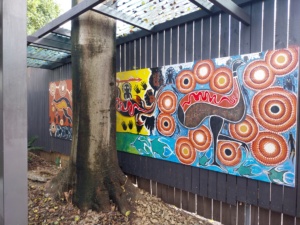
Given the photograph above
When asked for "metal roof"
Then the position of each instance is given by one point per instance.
(50, 46)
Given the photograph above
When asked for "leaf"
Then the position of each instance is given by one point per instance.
(127, 213)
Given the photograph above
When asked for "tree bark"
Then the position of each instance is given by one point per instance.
(94, 172)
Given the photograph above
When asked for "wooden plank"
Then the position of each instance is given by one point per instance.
(161, 49)
(252, 192)
(144, 184)
(154, 54)
(234, 37)
(226, 214)
(159, 188)
(268, 25)
(241, 213)
(206, 50)
(215, 37)
(294, 39)
(288, 219)
(184, 200)
(122, 57)
(264, 195)
(118, 58)
(241, 189)
(171, 195)
(148, 52)
(256, 18)
(182, 49)
(154, 187)
(189, 42)
(203, 182)
(164, 192)
(275, 218)
(276, 198)
(195, 180)
(216, 210)
(221, 187)
(143, 52)
(138, 53)
(224, 41)
(128, 56)
(174, 49)
(289, 201)
(212, 184)
(207, 208)
(187, 175)
(177, 197)
(281, 25)
(233, 215)
(200, 205)
(254, 215)
(245, 34)
(191, 203)
(167, 47)
(198, 40)
(231, 189)
(264, 216)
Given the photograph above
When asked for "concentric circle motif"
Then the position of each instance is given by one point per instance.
(244, 131)
(258, 75)
(275, 109)
(62, 88)
(203, 71)
(167, 102)
(201, 138)
(185, 81)
(269, 149)
(229, 153)
(165, 124)
(52, 88)
(185, 151)
(222, 80)
(53, 128)
(282, 61)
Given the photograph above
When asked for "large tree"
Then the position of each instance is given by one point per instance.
(94, 174)
(39, 13)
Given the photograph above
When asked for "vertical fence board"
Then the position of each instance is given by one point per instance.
(264, 217)
(224, 35)
(123, 57)
(198, 40)
(289, 201)
(200, 205)
(138, 53)
(281, 24)
(217, 210)
(231, 189)
(256, 26)
(127, 56)
(174, 45)
(143, 52)
(184, 200)
(264, 195)
(207, 205)
(177, 197)
(212, 185)
(241, 213)
(167, 47)
(154, 57)
(226, 214)
(241, 189)
(254, 215)
(221, 187)
(195, 180)
(171, 195)
(294, 31)
(148, 52)
(191, 203)
(245, 32)
(288, 220)
(276, 198)
(252, 192)
(275, 218)
(215, 36)
(189, 42)
(206, 38)
(181, 47)
(234, 36)
(203, 186)
(268, 25)
(118, 58)
(161, 49)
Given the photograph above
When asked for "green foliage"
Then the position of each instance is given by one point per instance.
(30, 143)
(39, 13)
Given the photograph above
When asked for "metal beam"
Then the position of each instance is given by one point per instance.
(113, 13)
(62, 31)
(203, 4)
(233, 9)
(75, 11)
(51, 40)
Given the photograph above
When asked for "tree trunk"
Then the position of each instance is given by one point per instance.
(94, 165)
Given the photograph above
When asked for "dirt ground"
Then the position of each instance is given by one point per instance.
(45, 210)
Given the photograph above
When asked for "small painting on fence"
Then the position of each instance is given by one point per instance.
(60, 109)
(235, 115)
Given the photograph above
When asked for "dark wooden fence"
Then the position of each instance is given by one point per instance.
(226, 198)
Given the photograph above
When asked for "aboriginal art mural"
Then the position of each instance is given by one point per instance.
(235, 115)
(60, 109)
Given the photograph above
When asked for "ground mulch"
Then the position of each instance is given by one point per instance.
(42, 209)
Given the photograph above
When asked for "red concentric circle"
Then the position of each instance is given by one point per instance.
(222, 80)
(229, 153)
(167, 102)
(282, 61)
(165, 124)
(185, 81)
(203, 71)
(258, 75)
(185, 151)
(201, 138)
(275, 109)
(269, 149)
(244, 131)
